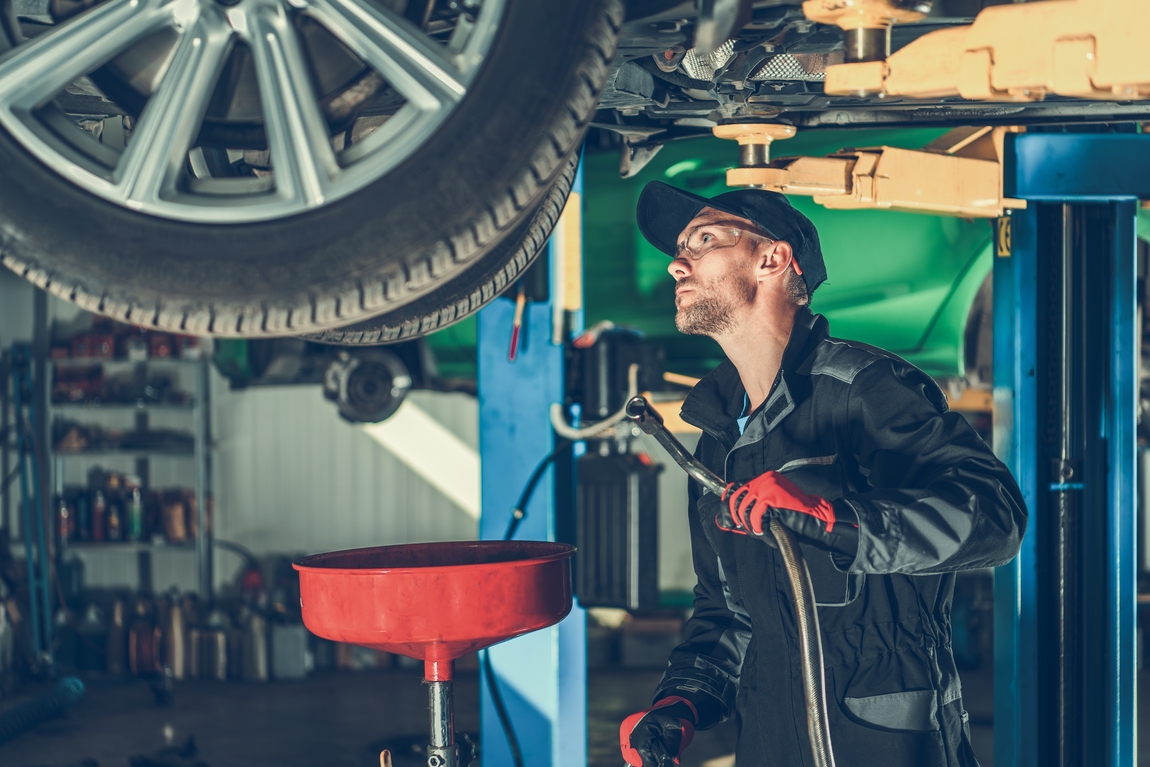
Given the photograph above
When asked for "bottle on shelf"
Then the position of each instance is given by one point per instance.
(117, 644)
(144, 649)
(115, 508)
(93, 640)
(83, 516)
(134, 509)
(99, 516)
(174, 635)
(115, 522)
(65, 520)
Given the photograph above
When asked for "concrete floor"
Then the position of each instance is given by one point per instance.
(336, 719)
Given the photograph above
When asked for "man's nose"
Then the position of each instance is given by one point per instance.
(679, 268)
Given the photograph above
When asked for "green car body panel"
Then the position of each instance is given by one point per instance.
(904, 282)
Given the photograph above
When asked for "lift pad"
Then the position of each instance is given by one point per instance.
(1091, 49)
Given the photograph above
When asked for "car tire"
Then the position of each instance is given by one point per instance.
(421, 237)
(471, 291)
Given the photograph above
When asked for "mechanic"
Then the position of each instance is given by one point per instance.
(854, 449)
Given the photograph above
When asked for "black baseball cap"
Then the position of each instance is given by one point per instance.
(664, 211)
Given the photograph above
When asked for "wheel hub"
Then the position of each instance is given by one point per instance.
(248, 109)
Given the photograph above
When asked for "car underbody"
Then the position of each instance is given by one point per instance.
(773, 69)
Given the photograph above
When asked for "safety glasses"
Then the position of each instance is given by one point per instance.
(703, 239)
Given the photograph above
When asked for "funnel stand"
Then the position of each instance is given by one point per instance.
(436, 602)
(442, 750)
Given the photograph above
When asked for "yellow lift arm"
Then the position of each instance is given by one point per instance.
(1091, 49)
(958, 174)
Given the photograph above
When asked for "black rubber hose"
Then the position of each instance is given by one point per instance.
(40, 709)
(676, 78)
(520, 510)
(501, 710)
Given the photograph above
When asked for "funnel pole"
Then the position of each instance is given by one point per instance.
(442, 750)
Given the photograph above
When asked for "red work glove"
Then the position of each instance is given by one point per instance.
(657, 736)
(812, 518)
(753, 501)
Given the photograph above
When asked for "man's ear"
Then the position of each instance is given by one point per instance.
(774, 258)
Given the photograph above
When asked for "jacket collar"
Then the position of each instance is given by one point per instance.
(715, 403)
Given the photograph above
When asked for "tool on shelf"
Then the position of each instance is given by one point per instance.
(811, 649)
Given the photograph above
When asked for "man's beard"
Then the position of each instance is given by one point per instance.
(712, 312)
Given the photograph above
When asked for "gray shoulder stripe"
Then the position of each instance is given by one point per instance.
(842, 360)
(822, 460)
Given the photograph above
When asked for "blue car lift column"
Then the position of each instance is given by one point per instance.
(1065, 416)
(541, 677)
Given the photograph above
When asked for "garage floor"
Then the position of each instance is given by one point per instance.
(336, 719)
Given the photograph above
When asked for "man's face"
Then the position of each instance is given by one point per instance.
(710, 291)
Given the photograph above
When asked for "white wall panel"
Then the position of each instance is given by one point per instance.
(292, 477)
(676, 569)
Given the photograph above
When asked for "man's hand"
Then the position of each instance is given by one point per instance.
(772, 495)
(657, 736)
(754, 501)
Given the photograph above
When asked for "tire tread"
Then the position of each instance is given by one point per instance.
(459, 308)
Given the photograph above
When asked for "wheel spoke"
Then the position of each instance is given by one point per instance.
(415, 66)
(32, 73)
(303, 162)
(171, 120)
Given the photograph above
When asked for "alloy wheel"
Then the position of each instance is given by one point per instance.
(328, 96)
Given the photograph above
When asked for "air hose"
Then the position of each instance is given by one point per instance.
(40, 709)
(810, 642)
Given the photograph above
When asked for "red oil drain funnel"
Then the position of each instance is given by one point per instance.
(436, 602)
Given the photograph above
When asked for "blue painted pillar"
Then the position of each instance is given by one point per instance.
(1082, 191)
(1119, 427)
(542, 676)
(1015, 430)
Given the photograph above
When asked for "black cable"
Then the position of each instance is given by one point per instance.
(520, 510)
(517, 515)
(501, 710)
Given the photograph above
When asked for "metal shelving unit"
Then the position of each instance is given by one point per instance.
(130, 545)
(200, 453)
(135, 406)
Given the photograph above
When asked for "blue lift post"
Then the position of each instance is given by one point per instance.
(1065, 422)
(542, 676)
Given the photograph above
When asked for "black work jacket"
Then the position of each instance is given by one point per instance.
(871, 433)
